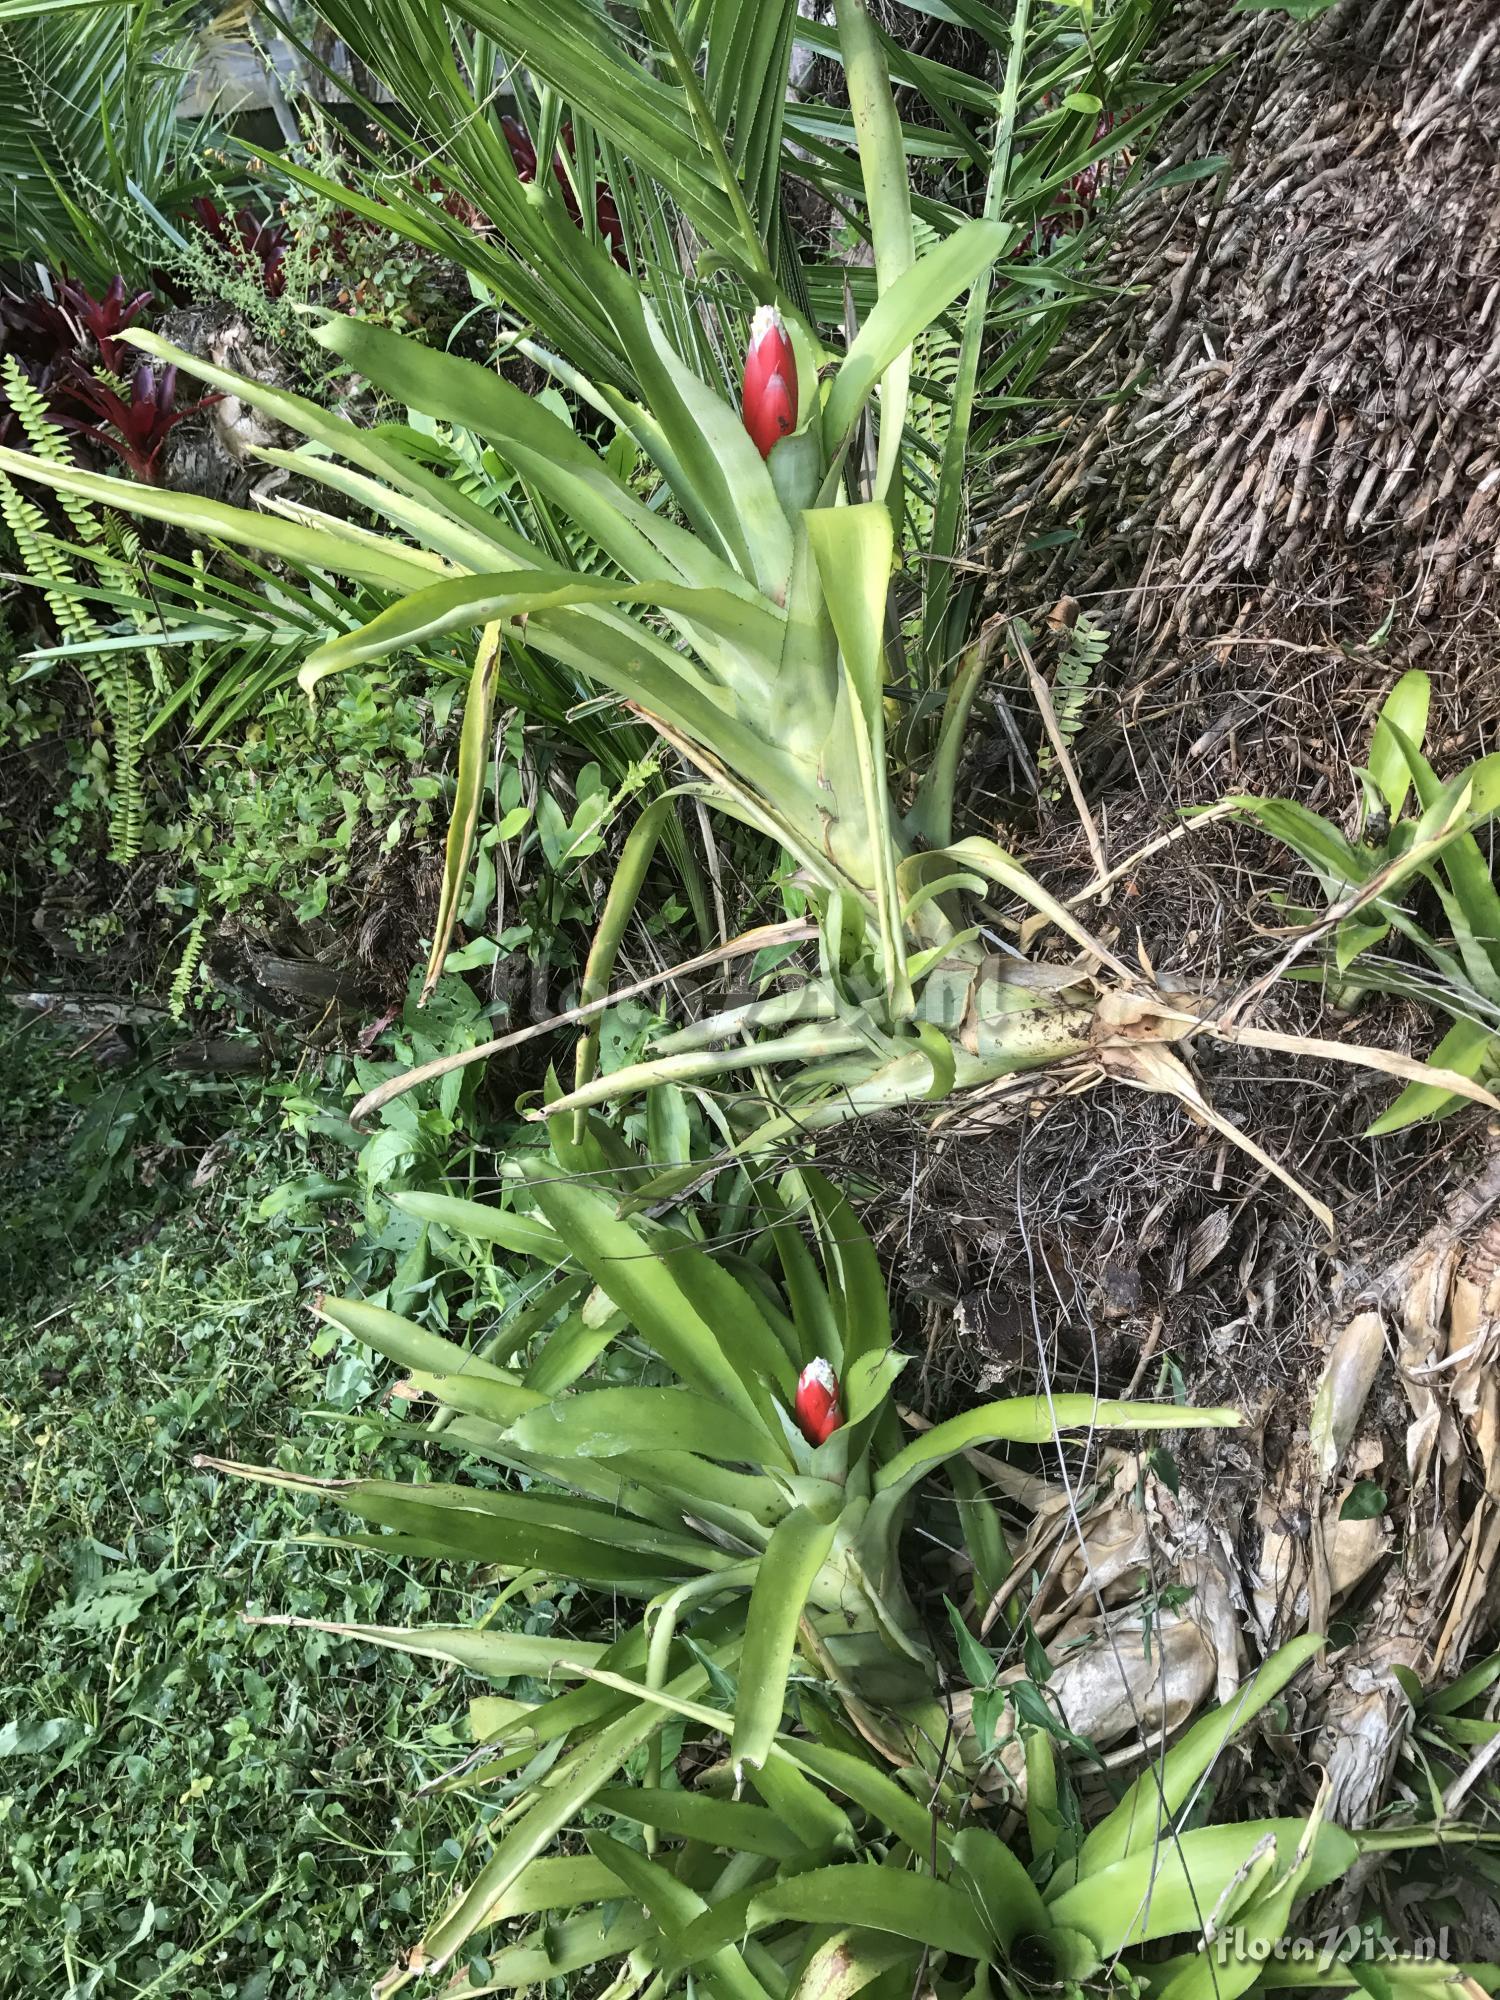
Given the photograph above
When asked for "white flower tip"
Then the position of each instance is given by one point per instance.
(766, 320)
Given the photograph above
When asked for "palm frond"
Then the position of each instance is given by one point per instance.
(88, 132)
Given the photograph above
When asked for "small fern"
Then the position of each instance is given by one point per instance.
(49, 441)
(43, 561)
(187, 966)
(1084, 645)
(49, 564)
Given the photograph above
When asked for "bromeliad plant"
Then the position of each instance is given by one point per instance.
(749, 622)
(835, 1877)
(717, 1440)
(748, 608)
(1371, 882)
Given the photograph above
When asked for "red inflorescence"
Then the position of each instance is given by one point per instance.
(817, 1407)
(770, 399)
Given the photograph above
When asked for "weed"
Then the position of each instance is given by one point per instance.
(190, 1806)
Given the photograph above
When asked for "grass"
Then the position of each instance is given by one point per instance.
(189, 1805)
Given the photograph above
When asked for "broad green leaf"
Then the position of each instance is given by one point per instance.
(388, 565)
(819, 1822)
(494, 1717)
(983, 1532)
(1034, 1420)
(1448, 811)
(806, 691)
(979, 1665)
(1406, 706)
(463, 823)
(1141, 1818)
(818, 1329)
(1202, 1977)
(737, 1502)
(563, 1535)
(1044, 1818)
(882, 166)
(602, 1423)
(558, 1950)
(561, 1882)
(1007, 1901)
(1338, 865)
(721, 1300)
(404, 1342)
(447, 518)
(641, 1280)
(463, 601)
(1468, 1049)
(850, 1961)
(697, 440)
(788, 1570)
(1262, 1915)
(1355, 934)
(544, 449)
(888, 1803)
(854, 549)
(1365, 1501)
(523, 1235)
(570, 1787)
(902, 1904)
(700, 1942)
(1468, 1687)
(499, 1656)
(1161, 1890)
(571, 1349)
(905, 309)
(687, 1815)
(424, 519)
(674, 1905)
(498, 1403)
(867, 1384)
(939, 1052)
(669, 1129)
(862, 1301)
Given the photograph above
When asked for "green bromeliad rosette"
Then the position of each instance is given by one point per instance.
(712, 1435)
(702, 1440)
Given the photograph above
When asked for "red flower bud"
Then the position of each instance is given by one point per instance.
(817, 1408)
(770, 407)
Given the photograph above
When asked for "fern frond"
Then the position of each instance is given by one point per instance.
(43, 561)
(187, 966)
(124, 569)
(1073, 680)
(127, 799)
(47, 564)
(49, 441)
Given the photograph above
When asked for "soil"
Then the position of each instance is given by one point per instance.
(1277, 488)
(1299, 499)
